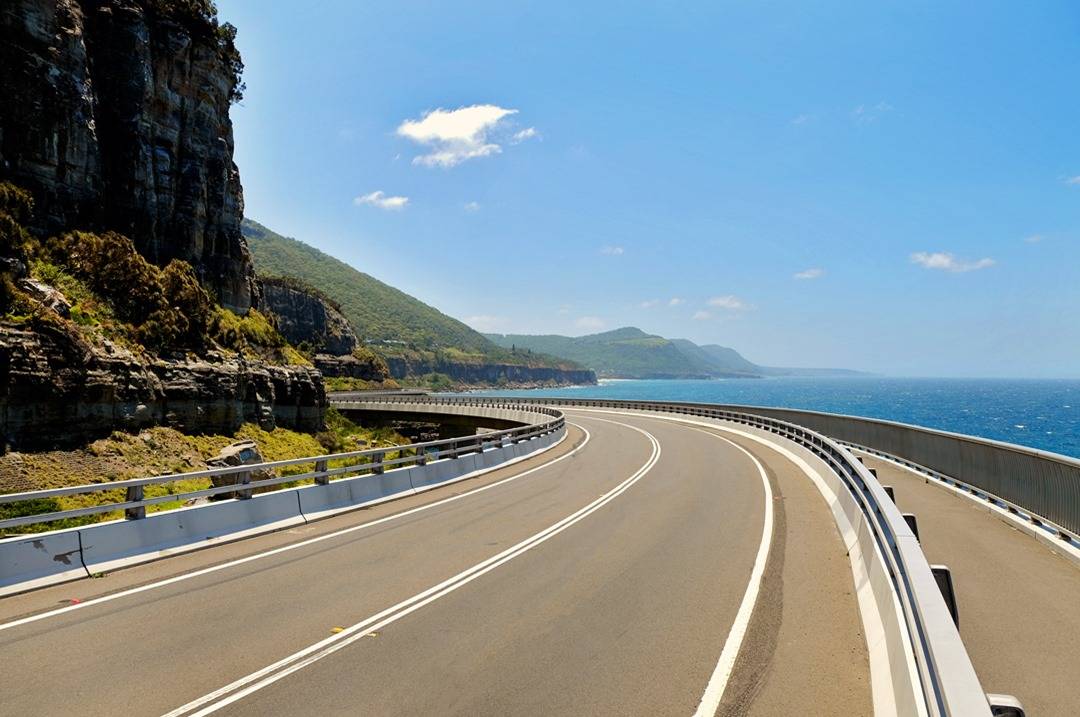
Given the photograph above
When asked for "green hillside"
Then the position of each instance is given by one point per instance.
(622, 353)
(377, 311)
(631, 353)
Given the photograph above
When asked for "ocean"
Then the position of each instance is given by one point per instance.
(1043, 414)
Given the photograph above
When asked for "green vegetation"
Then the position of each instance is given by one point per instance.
(116, 294)
(389, 320)
(632, 353)
(160, 451)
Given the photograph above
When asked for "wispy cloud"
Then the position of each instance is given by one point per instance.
(801, 119)
(814, 273)
(522, 135)
(486, 322)
(727, 302)
(454, 136)
(471, 206)
(944, 261)
(676, 301)
(589, 323)
(612, 251)
(382, 201)
(651, 303)
(1033, 239)
(1074, 181)
(865, 114)
(702, 315)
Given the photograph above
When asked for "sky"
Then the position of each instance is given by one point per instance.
(887, 186)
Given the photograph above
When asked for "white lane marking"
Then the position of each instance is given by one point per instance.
(714, 691)
(313, 653)
(286, 548)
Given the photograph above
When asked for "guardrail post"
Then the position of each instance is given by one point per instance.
(320, 467)
(377, 462)
(134, 493)
(421, 457)
(244, 478)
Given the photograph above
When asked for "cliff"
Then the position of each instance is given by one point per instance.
(115, 115)
(304, 317)
(58, 391)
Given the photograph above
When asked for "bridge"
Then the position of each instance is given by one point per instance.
(566, 557)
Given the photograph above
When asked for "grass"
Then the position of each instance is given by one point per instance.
(160, 451)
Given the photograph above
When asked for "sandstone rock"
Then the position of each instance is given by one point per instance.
(241, 453)
(116, 118)
(47, 296)
(58, 391)
(303, 317)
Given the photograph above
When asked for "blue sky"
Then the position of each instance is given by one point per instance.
(569, 167)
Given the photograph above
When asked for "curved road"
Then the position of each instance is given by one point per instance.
(613, 574)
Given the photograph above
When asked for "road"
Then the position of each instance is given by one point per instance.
(642, 567)
(1019, 602)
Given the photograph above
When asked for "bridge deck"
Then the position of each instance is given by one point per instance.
(621, 606)
(1019, 602)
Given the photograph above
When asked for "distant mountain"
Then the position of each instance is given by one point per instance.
(631, 353)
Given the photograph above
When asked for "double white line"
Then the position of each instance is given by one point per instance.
(299, 660)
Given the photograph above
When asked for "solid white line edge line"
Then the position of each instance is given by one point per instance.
(714, 691)
(880, 669)
(304, 543)
(238, 689)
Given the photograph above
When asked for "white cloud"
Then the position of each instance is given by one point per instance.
(801, 119)
(471, 206)
(454, 136)
(865, 114)
(1073, 180)
(589, 323)
(702, 316)
(1033, 239)
(486, 322)
(648, 304)
(729, 302)
(676, 301)
(612, 251)
(521, 136)
(944, 261)
(810, 274)
(380, 200)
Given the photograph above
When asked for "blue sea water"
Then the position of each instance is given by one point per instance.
(1043, 414)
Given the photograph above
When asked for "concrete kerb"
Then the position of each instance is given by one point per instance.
(29, 562)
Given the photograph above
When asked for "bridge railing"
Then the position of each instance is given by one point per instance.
(236, 481)
(1044, 486)
(947, 679)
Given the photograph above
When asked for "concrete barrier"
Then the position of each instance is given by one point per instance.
(34, 561)
(49, 558)
(321, 501)
(120, 543)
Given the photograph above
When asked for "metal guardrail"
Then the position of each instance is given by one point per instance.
(948, 680)
(372, 461)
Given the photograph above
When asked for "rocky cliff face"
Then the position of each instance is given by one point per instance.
(115, 114)
(56, 391)
(491, 373)
(304, 318)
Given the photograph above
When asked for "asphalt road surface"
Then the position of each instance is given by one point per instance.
(1019, 601)
(642, 567)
